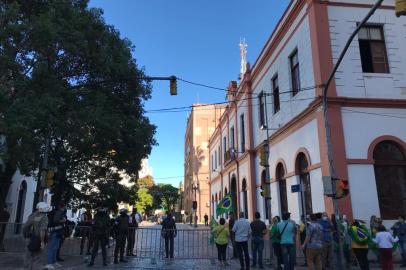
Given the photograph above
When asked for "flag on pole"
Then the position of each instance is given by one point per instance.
(225, 205)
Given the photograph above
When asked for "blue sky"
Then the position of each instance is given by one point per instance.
(195, 40)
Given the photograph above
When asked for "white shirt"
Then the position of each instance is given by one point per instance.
(385, 240)
(242, 229)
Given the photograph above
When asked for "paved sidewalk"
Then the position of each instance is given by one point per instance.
(14, 262)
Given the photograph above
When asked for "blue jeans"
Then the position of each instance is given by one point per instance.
(53, 245)
(402, 245)
(257, 247)
(289, 254)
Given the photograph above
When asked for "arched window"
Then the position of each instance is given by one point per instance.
(283, 196)
(302, 166)
(263, 183)
(245, 197)
(225, 191)
(390, 175)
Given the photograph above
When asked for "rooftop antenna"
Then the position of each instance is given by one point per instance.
(243, 54)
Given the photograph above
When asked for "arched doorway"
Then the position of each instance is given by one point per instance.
(302, 168)
(245, 197)
(283, 195)
(263, 183)
(233, 191)
(390, 176)
(22, 193)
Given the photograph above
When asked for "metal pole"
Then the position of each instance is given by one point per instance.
(267, 174)
(195, 210)
(327, 124)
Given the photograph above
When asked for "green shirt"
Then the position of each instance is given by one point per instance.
(221, 234)
(274, 234)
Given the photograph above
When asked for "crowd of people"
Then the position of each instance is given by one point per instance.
(318, 236)
(46, 229)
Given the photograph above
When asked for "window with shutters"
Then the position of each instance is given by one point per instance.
(372, 48)
(294, 72)
(275, 94)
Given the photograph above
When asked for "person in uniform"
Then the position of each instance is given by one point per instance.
(100, 233)
(169, 233)
(121, 224)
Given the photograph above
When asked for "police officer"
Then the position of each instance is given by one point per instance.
(133, 224)
(121, 224)
(100, 233)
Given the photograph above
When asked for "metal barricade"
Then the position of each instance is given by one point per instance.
(189, 243)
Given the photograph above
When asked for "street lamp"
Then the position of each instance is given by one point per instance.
(195, 188)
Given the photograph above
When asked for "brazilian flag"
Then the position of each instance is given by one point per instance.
(225, 205)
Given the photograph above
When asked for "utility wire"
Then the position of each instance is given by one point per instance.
(226, 102)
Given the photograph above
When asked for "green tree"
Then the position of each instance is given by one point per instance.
(170, 195)
(144, 199)
(69, 78)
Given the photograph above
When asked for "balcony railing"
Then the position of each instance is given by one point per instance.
(229, 155)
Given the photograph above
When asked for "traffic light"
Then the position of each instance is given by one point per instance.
(194, 205)
(265, 190)
(400, 8)
(173, 87)
(50, 179)
(343, 188)
(262, 156)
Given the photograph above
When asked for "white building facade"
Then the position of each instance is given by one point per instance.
(280, 98)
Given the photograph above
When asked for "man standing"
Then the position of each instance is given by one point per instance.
(242, 230)
(399, 230)
(133, 225)
(121, 223)
(313, 243)
(36, 225)
(100, 233)
(206, 220)
(4, 217)
(56, 225)
(86, 230)
(327, 253)
(258, 228)
(169, 232)
(287, 232)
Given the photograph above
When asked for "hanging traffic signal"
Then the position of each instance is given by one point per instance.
(265, 190)
(262, 157)
(173, 87)
(343, 188)
(50, 179)
(400, 8)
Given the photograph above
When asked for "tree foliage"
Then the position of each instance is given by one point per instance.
(144, 199)
(170, 195)
(67, 76)
(146, 182)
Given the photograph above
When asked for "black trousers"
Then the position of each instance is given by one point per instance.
(120, 245)
(277, 249)
(86, 233)
(99, 239)
(169, 246)
(243, 255)
(131, 240)
(222, 252)
(362, 257)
